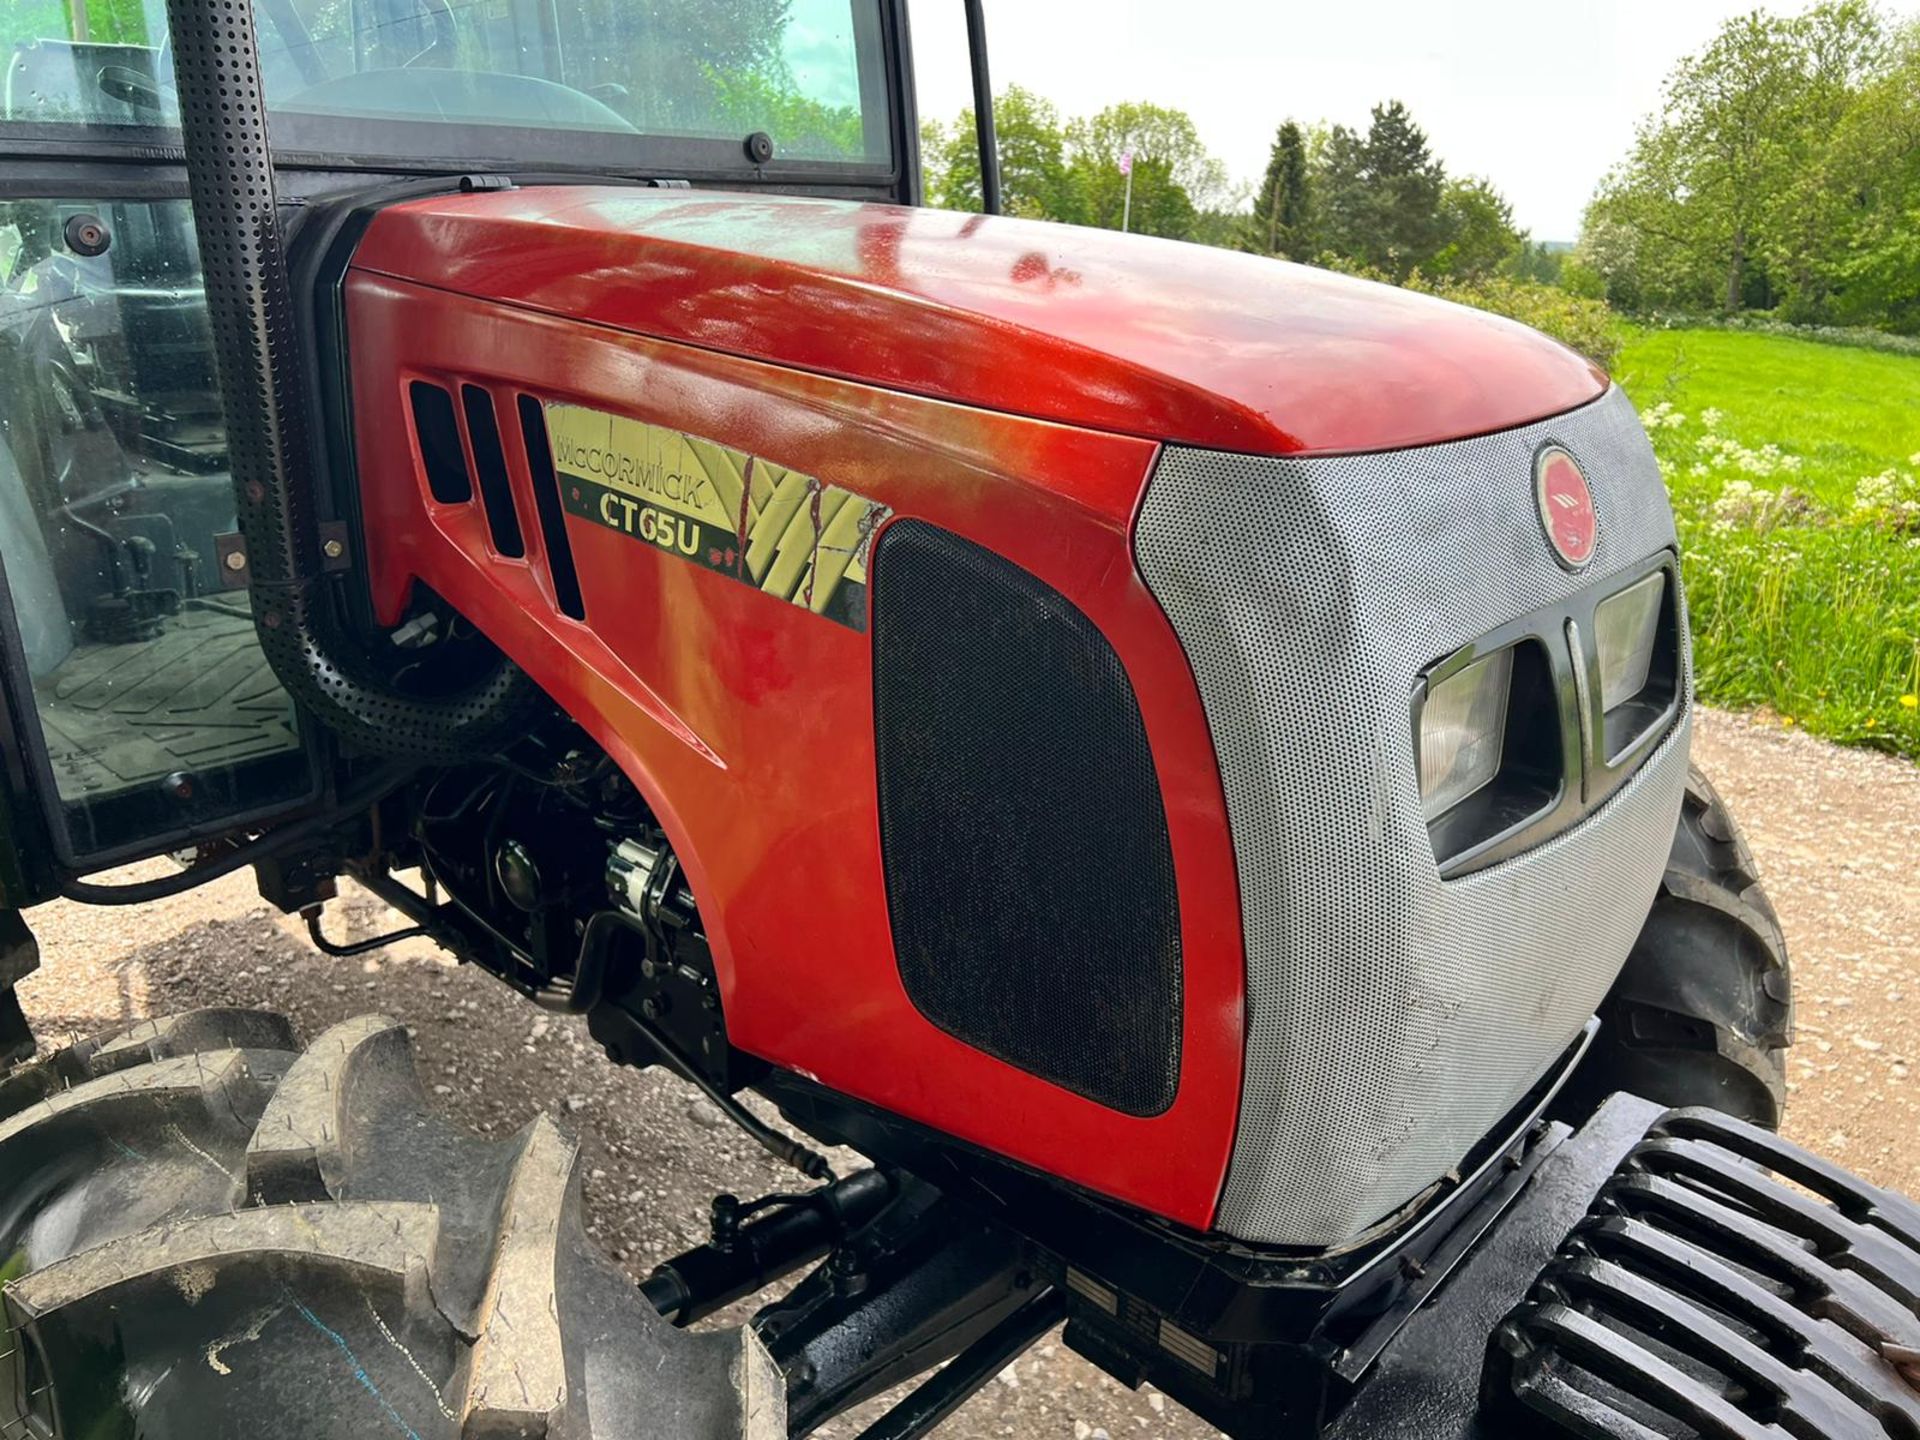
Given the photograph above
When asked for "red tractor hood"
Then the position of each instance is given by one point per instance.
(1091, 328)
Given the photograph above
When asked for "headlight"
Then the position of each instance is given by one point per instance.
(1463, 732)
(1625, 628)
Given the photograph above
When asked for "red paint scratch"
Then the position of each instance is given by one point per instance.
(746, 504)
(815, 489)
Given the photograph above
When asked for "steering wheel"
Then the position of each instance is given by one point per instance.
(446, 36)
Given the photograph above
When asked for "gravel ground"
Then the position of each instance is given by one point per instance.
(1836, 832)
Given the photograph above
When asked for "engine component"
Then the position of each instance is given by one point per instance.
(644, 880)
(350, 949)
(519, 876)
(519, 850)
(652, 998)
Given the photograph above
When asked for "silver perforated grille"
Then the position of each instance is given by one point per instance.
(1392, 1018)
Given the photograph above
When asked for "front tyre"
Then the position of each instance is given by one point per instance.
(1702, 1013)
(208, 1233)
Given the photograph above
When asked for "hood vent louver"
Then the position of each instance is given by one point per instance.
(439, 435)
(552, 515)
(496, 492)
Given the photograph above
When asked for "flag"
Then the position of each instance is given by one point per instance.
(1126, 161)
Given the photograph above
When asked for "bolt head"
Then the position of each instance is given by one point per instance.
(333, 549)
(236, 560)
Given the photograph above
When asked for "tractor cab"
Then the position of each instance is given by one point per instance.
(145, 716)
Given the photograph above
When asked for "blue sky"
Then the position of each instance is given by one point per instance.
(1541, 96)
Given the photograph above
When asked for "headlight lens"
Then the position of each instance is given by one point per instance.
(1625, 627)
(1463, 732)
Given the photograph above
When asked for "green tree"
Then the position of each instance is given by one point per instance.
(1168, 156)
(1610, 253)
(933, 161)
(1342, 218)
(1537, 261)
(1477, 222)
(1875, 159)
(1842, 46)
(1281, 223)
(1734, 194)
(1160, 204)
(1378, 196)
(1225, 229)
(1053, 170)
(1032, 142)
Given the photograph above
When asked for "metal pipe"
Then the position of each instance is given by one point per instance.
(351, 949)
(937, 1399)
(223, 129)
(795, 1232)
(982, 107)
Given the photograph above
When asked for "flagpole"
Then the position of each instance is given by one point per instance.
(1126, 208)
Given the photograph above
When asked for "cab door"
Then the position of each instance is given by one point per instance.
(144, 715)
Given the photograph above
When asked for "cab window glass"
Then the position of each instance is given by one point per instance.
(806, 72)
(158, 712)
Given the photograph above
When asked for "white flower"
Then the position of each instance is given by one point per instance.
(1891, 498)
(1663, 417)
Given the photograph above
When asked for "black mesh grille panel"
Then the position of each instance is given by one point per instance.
(1029, 873)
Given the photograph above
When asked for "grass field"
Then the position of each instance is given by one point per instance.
(1795, 474)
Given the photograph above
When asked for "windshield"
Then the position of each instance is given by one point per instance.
(571, 81)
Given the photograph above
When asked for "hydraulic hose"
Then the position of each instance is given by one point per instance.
(223, 122)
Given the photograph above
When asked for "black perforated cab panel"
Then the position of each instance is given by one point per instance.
(1029, 872)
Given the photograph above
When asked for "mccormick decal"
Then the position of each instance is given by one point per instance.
(775, 529)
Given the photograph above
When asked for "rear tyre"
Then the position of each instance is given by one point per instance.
(1702, 1014)
(206, 1232)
